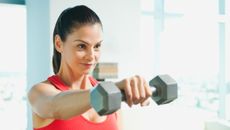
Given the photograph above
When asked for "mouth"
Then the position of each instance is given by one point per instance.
(88, 65)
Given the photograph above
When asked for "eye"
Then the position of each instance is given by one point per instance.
(81, 46)
(97, 46)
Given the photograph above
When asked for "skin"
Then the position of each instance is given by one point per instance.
(80, 53)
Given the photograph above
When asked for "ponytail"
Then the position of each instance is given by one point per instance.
(56, 61)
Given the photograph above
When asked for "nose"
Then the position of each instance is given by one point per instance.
(90, 54)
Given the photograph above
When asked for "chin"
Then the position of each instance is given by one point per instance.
(87, 72)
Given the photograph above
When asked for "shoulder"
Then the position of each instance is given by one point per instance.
(42, 88)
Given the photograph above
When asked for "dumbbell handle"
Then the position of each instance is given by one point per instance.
(153, 89)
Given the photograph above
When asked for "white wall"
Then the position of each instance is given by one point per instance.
(217, 125)
(121, 24)
(167, 117)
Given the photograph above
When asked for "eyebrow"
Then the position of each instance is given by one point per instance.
(86, 42)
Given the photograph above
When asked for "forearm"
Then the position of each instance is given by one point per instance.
(66, 104)
(71, 103)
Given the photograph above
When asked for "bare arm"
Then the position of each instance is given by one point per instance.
(48, 102)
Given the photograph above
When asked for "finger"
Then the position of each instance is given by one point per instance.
(128, 92)
(135, 90)
(141, 88)
(148, 93)
(148, 90)
(145, 102)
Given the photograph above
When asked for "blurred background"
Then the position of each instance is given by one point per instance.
(187, 39)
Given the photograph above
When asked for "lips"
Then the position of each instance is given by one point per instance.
(88, 65)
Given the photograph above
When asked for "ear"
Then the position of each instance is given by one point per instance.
(58, 44)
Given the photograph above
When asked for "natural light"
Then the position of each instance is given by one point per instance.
(12, 67)
(187, 39)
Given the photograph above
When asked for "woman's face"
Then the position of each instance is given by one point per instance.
(81, 50)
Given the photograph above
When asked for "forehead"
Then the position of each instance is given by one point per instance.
(93, 31)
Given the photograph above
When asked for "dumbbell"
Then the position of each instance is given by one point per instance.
(106, 97)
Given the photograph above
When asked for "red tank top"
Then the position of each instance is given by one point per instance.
(79, 122)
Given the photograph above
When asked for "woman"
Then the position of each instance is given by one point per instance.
(62, 102)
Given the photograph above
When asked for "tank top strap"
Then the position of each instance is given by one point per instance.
(56, 81)
(93, 81)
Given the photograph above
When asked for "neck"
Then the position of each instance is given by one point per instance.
(74, 81)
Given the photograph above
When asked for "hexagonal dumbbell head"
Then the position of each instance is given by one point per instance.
(105, 98)
(166, 89)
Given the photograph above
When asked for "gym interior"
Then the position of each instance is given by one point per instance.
(187, 39)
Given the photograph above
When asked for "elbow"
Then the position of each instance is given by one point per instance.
(50, 112)
(59, 115)
(54, 114)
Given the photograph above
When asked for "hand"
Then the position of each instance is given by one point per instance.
(136, 89)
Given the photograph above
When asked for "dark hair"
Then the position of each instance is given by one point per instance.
(69, 19)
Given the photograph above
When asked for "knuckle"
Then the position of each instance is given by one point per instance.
(142, 96)
(126, 81)
(138, 77)
(132, 82)
(129, 96)
(133, 79)
(136, 98)
(145, 83)
(148, 94)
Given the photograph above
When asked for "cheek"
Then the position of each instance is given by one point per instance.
(78, 55)
(72, 56)
(97, 56)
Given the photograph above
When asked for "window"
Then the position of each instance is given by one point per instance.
(13, 67)
(189, 42)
